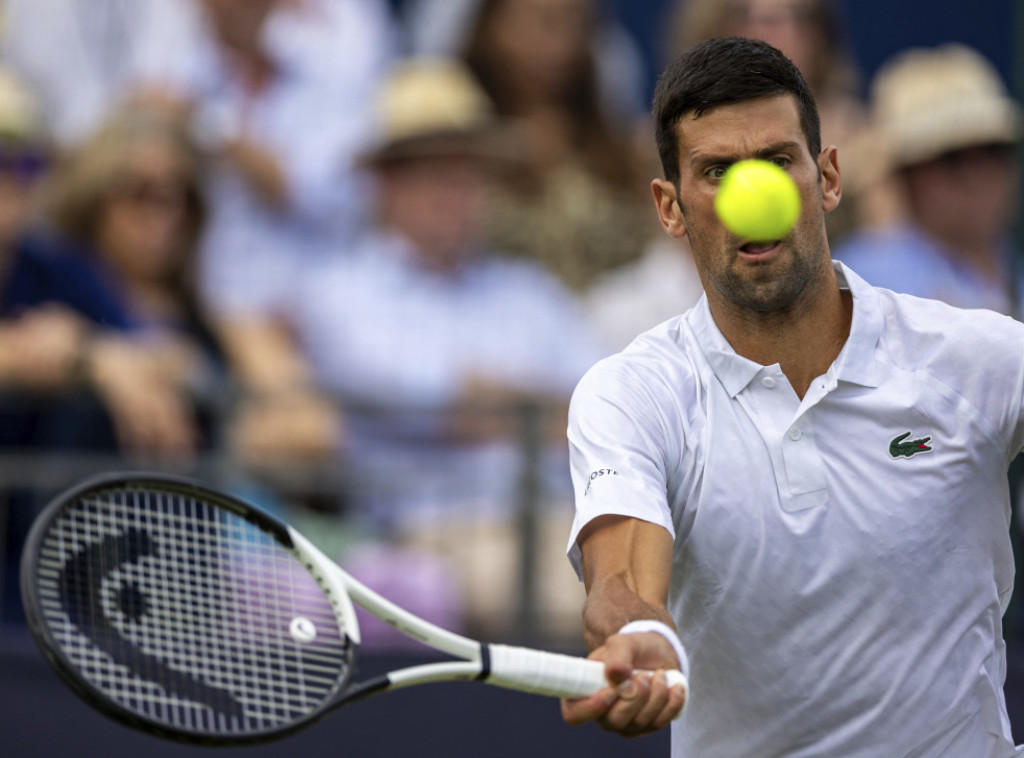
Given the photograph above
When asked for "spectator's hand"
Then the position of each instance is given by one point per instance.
(639, 701)
(162, 98)
(286, 427)
(41, 349)
(149, 409)
(486, 409)
(261, 170)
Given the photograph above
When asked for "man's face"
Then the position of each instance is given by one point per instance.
(736, 273)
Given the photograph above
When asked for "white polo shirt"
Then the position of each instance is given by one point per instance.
(842, 562)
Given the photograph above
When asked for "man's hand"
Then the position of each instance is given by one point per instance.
(640, 700)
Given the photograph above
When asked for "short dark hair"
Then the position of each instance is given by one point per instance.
(724, 71)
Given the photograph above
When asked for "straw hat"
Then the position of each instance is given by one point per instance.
(20, 114)
(431, 107)
(932, 101)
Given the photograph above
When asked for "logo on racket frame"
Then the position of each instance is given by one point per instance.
(84, 606)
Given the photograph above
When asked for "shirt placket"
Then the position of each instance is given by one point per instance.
(787, 425)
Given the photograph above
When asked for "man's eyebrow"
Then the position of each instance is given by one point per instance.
(727, 159)
(775, 149)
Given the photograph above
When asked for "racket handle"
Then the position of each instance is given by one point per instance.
(554, 674)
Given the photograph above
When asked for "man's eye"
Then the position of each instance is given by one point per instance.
(717, 172)
(781, 161)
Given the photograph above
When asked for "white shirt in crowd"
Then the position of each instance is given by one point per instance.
(842, 562)
(635, 297)
(82, 57)
(315, 118)
(382, 330)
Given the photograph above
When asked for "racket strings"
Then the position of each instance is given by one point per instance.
(186, 613)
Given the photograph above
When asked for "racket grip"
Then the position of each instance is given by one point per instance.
(553, 674)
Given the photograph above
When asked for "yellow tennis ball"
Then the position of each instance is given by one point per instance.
(758, 201)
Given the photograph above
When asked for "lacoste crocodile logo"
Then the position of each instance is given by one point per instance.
(898, 448)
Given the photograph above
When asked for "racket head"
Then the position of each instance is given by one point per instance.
(185, 612)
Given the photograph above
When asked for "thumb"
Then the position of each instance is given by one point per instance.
(621, 654)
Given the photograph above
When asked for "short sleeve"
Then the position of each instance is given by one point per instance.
(1017, 396)
(617, 449)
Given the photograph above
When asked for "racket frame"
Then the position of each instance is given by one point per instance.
(506, 666)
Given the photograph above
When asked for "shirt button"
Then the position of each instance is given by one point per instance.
(768, 381)
(795, 434)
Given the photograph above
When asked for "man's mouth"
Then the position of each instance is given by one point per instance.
(758, 249)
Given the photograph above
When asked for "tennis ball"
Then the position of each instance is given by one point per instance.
(758, 201)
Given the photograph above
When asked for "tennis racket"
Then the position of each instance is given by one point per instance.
(195, 616)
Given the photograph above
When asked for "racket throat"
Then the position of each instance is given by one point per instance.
(485, 663)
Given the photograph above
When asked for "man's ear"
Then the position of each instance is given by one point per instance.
(669, 212)
(831, 183)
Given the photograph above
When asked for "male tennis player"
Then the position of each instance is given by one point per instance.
(804, 475)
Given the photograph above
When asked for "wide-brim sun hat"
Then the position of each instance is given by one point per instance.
(431, 107)
(931, 101)
(21, 117)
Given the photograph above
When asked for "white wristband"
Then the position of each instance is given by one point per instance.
(641, 626)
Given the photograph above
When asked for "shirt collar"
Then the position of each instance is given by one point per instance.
(855, 363)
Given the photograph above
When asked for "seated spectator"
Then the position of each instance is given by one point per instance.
(128, 204)
(577, 202)
(50, 302)
(950, 130)
(434, 342)
(280, 95)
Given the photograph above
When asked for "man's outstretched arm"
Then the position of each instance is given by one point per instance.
(627, 566)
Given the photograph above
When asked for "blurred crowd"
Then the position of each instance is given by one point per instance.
(388, 238)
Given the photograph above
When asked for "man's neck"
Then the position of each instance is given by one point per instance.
(804, 340)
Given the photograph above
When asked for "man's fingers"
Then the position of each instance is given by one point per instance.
(664, 703)
(576, 712)
(657, 699)
(640, 699)
(645, 704)
(633, 694)
(677, 697)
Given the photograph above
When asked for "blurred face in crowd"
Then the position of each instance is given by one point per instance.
(21, 167)
(435, 202)
(542, 42)
(789, 25)
(239, 23)
(967, 197)
(141, 229)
